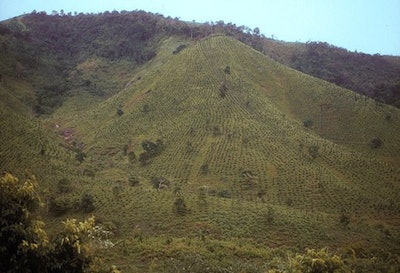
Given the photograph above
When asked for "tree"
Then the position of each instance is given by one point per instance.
(87, 203)
(375, 143)
(120, 112)
(308, 123)
(24, 241)
(180, 206)
(313, 151)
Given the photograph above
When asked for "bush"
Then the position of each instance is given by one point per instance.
(133, 181)
(318, 261)
(120, 112)
(87, 203)
(180, 206)
(227, 70)
(64, 185)
(375, 143)
(160, 182)
(308, 123)
(313, 151)
(179, 49)
(60, 205)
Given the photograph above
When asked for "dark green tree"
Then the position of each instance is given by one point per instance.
(87, 203)
(375, 143)
(180, 206)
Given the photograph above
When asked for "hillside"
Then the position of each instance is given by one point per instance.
(375, 76)
(231, 124)
(207, 156)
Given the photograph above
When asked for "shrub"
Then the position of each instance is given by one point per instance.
(131, 157)
(223, 90)
(313, 151)
(80, 156)
(64, 185)
(308, 123)
(133, 181)
(179, 49)
(160, 182)
(204, 169)
(375, 143)
(224, 194)
(120, 112)
(87, 203)
(227, 70)
(60, 205)
(318, 261)
(180, 206)
(344, 219)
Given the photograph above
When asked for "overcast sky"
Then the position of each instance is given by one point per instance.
(370, 26)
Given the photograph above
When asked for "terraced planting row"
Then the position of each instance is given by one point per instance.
(240, 132)
(240, 156)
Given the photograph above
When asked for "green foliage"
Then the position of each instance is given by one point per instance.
(87, 203)
(120, 112)
(375, 143)
(24, 241)
(204, 169)
(379, 81)
(160, 183)
(179, 49)
(227, 70)
(344, 219)
(133, 181)
(64, 185)
(151, 150)
(308, 123)
(319, 261)
(223, 90)
(179, 206)
(80, 155)
(270, 217)
(61, 205)
(313, 151)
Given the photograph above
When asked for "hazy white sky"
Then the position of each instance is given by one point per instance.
(370, 26)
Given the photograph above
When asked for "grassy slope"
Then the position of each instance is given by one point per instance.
(256, 148)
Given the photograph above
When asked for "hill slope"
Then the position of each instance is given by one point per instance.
(227, 123)
(211, 152)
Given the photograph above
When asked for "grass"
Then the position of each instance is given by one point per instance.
(261, 192)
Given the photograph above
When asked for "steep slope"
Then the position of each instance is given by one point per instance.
(215, 151)
(258, 151)
(231, 120)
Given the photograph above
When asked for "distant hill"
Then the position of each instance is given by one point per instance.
(195, 149)
(375, 76)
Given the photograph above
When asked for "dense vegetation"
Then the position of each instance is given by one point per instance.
(375, 76)
(372, 75)
(203, 156)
